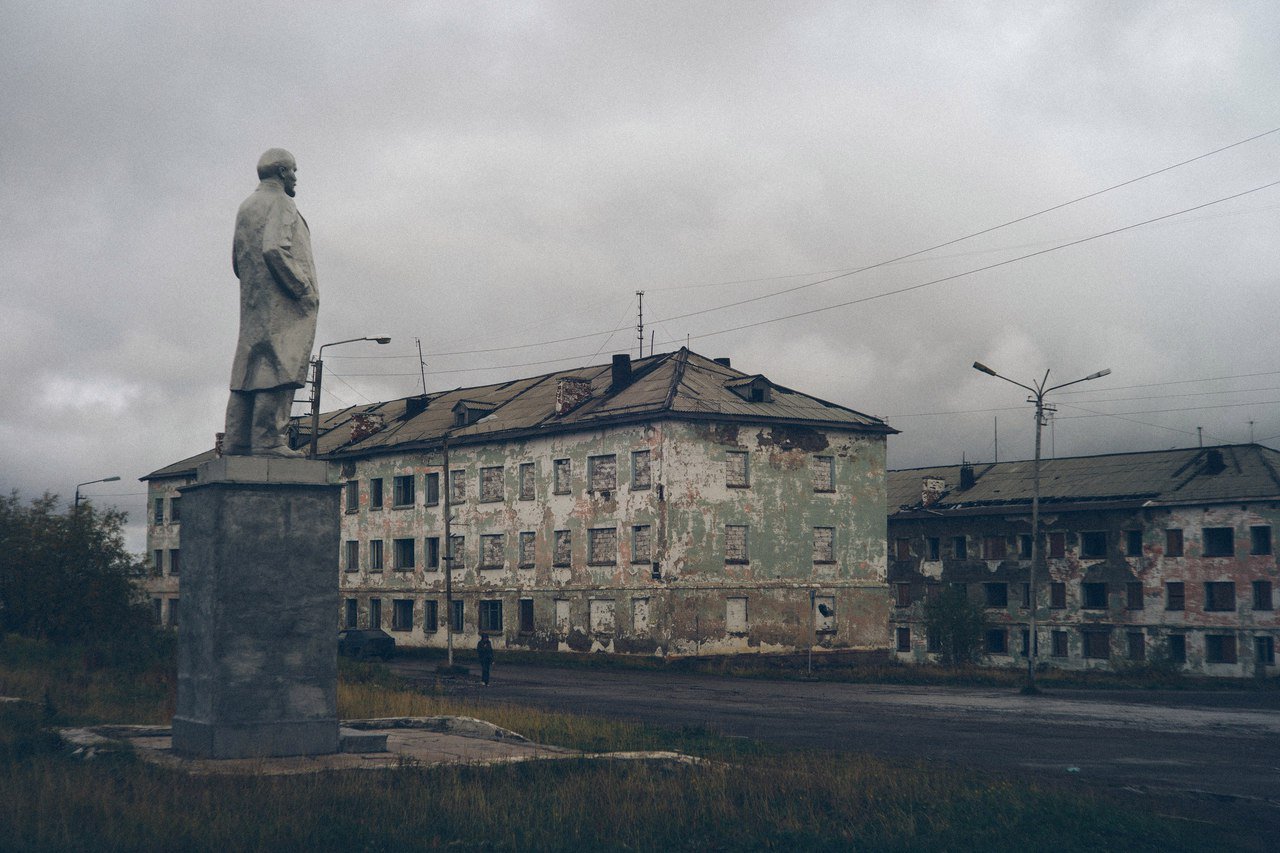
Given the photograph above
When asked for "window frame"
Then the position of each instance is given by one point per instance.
(526, 475)
(1260, 540)
(1089, 545)
(1094, 595)
(485, 486)
(995, 594)
(351, 555)
(594, 536)
(826, 554)
(1220, 597)
(402, 548)
(351, 496)
(1263, 597)
(488, 609)
(561, 476)
(829, 463)
(397, 614)
(403, 490)
(431, 489)
(1175, 596)
(745, 559)
(376, 494)
(1174, 544)
(737, 469)
(377, 556)
(487, 541)
(598, 468)
(639, 483)
(1217, 541)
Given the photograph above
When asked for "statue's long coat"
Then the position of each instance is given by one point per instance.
(278, 298)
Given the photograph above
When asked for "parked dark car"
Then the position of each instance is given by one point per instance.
(366, 643)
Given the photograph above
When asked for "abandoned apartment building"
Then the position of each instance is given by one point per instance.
(1158, 557)
(664, 505)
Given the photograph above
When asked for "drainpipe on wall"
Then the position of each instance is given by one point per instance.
(446, 486)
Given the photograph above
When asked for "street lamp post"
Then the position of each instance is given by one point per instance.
(316, 378)
(90, 483)
(1038, 392)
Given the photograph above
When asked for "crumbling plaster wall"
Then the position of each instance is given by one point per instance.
(160, 583)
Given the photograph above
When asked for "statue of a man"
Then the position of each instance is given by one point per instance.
(278, 306)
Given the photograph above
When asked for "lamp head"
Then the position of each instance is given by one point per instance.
(382, 340)
(982, 368)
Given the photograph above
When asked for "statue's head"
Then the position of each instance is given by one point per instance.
(278, 163)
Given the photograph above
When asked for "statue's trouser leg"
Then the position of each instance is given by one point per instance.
(271, 419)
(237, 440)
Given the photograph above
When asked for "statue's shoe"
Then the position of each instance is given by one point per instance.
(280, 451)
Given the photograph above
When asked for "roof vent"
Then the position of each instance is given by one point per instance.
(621, 372)
(1213, 462)
(931, 490)
(723, 361)
(571, 392)
(414, 406)
(966, 477)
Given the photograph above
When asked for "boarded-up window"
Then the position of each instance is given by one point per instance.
(526, 481)
(824, 473)
(458, 551)
(736, 474)
(824, 615)
(902, 594)
(526, 549)
(1057, 544)
(457, 486)
(491, 483)
(1173, 542)
(824, 544)
(641, 478)
(640, 615)
(375, 555)
(562, 616)
(602, 543)
(603, 472)
(491, 547)
(563, 548)
(561, 473)
(640, 550)
(735, 543)
(735, 615)
(602, 616)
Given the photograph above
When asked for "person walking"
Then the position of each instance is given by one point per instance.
(484, 649)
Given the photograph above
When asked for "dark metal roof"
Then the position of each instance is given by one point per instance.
(1192, 475)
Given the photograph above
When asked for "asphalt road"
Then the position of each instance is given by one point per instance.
(1218, 751)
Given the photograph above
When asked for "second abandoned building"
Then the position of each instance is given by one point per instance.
(666, 505)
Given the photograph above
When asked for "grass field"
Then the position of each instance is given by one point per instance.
(752, 797)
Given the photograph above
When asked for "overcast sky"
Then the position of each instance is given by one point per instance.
(483, 176)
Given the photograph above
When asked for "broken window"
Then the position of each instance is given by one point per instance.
(490, 616)
(824, 619)
(824, 544)
(1177, 648)
(458, 616)
(491, 548)
(959, 548)
(602, 546)
(158, 514)
(902, 594)
(430, 616)
(1057, 595)
(457, 486)
(375, 493)
(175, 564)
(904, 638)
(457, 552)
(375, 555)
(1097, 644)
(1058, 544)
(1133, 543)
(824, 473)
(1173, 542)
(402, 614)
(1175, 596)
(561, 471)
(997, 641)
(1219, 541)
(402, 555)
(526, 616)
(993, 547)
(175, 515)
(491, 482)
(1264, 650)
(901, 549)
(602, 471)
(433, 488)
(736, 471)
(934, 547)
(526, 481)
(352, 555)
(735, 543)
(1024, 546)
(1259, 538)
(1093, 544)
(1094, 596)
(640, 549)
(375, 613)
(641, 474)
(1220, 595)
(735, 615)
(997, 594)
(640, 615)
(157, 562)
(562, 616)
(1137, 642)
(351, 491)
(563, 553)
(433, 552)
(1059, 644)
(402, 491)
(1262, 595)
(1220, 648)
(602, 616)
(527, 552)
(1133, 595)
(350, 613)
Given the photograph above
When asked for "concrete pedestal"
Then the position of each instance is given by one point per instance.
(257, 647)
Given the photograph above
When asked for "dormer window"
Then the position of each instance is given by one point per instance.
(466, 412)
(753, 389)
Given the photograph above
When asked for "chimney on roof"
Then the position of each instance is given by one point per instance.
(365, 424)
(1213, 462)
(621, 372)
(723, 360)
(966, 476)
(931, 489)
(414, 406)
(571, 392)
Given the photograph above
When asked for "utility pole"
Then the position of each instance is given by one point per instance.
(1038, 392)
(640, 324)
(422, 365)
(1199, 436)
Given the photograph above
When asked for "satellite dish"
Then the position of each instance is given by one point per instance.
(825, 610)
